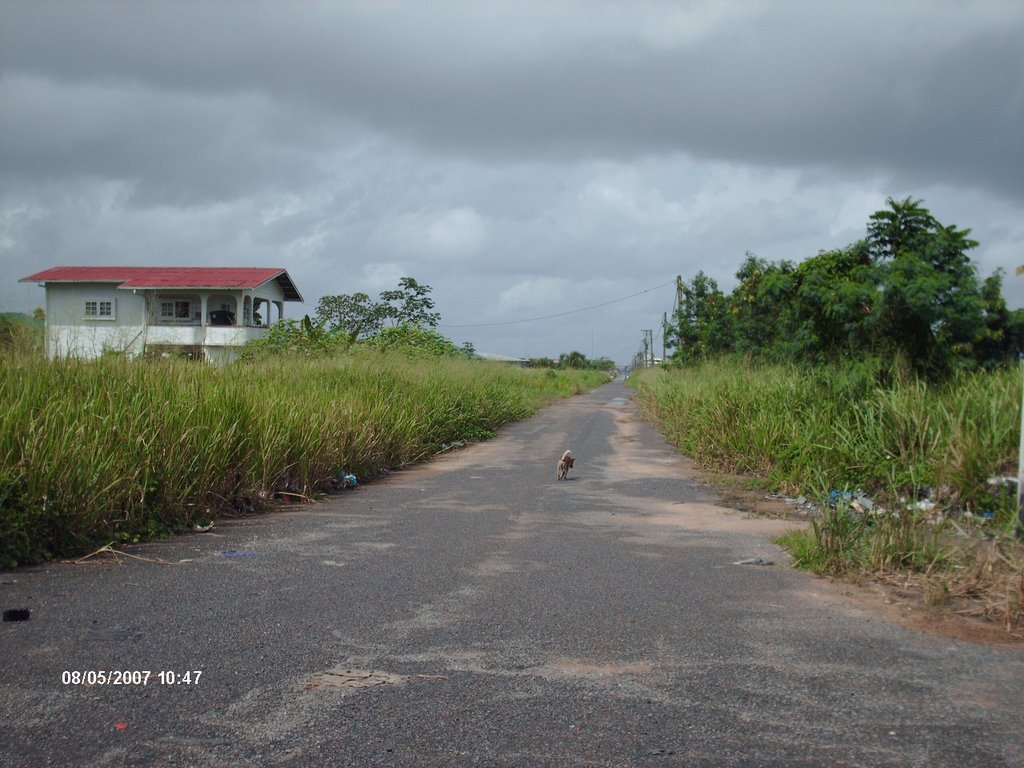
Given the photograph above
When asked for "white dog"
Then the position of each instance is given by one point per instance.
(564, 465)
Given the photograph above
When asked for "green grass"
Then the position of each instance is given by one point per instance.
(105, 450)
(812, 431)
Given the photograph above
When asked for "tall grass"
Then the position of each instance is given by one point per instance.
(811, 430)
(818, 430)
(97, 451)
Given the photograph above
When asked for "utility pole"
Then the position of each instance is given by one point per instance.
(1020, 461)
(664, 331)
(679, 307)
(1020, 454)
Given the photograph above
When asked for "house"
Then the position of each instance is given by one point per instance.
(200, 312)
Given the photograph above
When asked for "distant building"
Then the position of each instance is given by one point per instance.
(205, 312)
(500, 358)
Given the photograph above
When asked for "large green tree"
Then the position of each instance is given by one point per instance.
(931, 310)
(701, 327)
(359, 316)
(762, 309)
(837, 292)
(410, 304)
(355, 315)
(908, 291)
(1002, 338)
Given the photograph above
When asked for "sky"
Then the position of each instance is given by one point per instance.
(548, 168)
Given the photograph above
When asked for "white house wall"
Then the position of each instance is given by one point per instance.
(269, 290)
(135, 323)
(71, 334)
(273, 293)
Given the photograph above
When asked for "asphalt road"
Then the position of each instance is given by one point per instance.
(474, 611)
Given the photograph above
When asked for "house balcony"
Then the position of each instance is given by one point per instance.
(203, 335)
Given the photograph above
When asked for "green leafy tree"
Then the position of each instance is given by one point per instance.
(410, 304)
(908, 292)
(1002, 339)
(356, 315)
(931, 310)
(702, 325)
(573, 359)
(836, 295)
(360, 317)
(576, 360)
(762, 308)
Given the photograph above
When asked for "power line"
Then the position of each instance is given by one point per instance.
(559, 314)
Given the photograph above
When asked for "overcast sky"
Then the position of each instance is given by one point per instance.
(522, 158)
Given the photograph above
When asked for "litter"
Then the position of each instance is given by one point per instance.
(108, 549)
(238, 553)
(347, 480)
(857, 499)
(835, 497)
(755, 561)
(800, 502)
(17, 614)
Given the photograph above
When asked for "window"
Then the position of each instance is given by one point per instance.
(176, 310)
(97, 309)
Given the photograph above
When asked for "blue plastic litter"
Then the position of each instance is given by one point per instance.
(836, 496)
(238, 553)
(347, 480)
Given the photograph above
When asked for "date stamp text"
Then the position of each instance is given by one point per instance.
(92, 677)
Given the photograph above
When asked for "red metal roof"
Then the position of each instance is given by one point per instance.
(171, 277)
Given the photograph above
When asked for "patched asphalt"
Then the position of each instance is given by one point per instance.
(475, 611)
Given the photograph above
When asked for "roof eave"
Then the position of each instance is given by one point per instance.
(291, 293)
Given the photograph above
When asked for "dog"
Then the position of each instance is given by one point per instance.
(564, 465)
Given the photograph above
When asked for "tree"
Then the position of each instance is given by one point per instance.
(701, 326)
(837, 293)
(1002, 339)
(908, 292)
(762, 309)
(356, 315)
(410, 304)
(900, 229)
(931, 310)
(572, 360)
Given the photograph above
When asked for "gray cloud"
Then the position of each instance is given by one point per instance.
(934, 94)
(515, 156)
